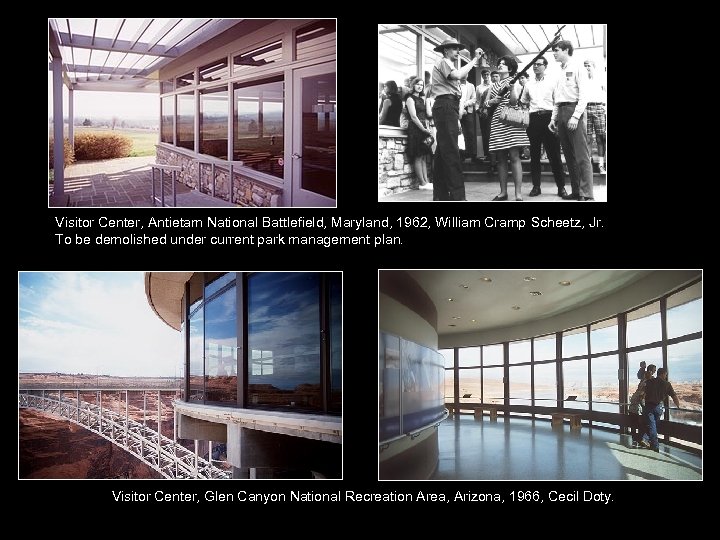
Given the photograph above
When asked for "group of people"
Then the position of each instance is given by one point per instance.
(562, 112)
(647, 405)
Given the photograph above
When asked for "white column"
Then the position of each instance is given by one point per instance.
(71, 118)
(58, 147)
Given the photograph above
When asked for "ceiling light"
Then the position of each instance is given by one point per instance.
(565, 283)
(535, 293)
(473, 320)
(485, 279)
(451, 299)
(456, 318)
(464, 286)
(516, 308)
(529, 278)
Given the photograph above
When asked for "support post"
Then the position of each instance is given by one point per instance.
(174, 190)
(58, 147)
(77, 400)
(158, 426)
(127, 417)
(71, 119)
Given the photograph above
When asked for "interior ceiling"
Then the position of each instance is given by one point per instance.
(490, 304)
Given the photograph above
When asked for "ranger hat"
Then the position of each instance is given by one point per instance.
(448, 43)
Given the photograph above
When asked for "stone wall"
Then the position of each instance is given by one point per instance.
(395, 173)
(246, 191)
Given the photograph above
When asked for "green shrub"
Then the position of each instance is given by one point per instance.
(101, 146)
(69, 155)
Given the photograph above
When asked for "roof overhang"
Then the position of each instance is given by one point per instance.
(164, 291)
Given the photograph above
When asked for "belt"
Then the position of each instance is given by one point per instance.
(596, 103)
(448, 96)
(564, 103)
(541, 112)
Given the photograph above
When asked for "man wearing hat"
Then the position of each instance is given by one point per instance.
(449, 182)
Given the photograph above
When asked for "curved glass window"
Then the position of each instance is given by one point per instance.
(544, 348)
(284, 340)
(221, 347)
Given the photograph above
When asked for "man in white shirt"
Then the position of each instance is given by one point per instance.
(482, 112)
(538, 94)
(569, 121)
(596, 113)
(467, 118)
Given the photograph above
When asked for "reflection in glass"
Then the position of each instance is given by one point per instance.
(519, 351)
(389, 380)
(493, 355)
(167, 112)
(685, 374)
(186, 121)
(544, 348)
(545, 386)
(259, 126)
(318, 134)
(469, 356)
(493, 389)
(221, 347)
(197, 333)
(214, 122)
(604, 338)
(421, 372)
(214, 71)
(284, 340)
(643, 325)
(605, 386)
(469, 385)
(214, 284)
(315, 39)
(262, 56)
(575, 379)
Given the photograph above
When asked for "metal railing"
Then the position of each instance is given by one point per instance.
(161, 453)
(162, 167)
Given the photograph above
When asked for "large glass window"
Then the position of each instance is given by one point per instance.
(221, 347)
(544, 348)
(493, 355)
(604, 336)
(214, 121)
(469, 385)
(421, 369)
(315, 39)
(685, 375)
(643, 325)
(259, 128)
(260, 57)
(449, 360)
(575, 378)
(167, 112)
(519, 352)
(318, 132)
(389, 380)
(197, 350)
(186, 121)
(520, 385)
(493, 389)
(605, 387)
(649, 356)
(545, 386)
(185, 80)
(284, 340)
(684, 314)
(574, 343)
(469, 356)
(166, 86)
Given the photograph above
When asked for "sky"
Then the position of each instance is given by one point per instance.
(94, 323)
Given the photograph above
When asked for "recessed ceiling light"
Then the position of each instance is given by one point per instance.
(452, 325)
(463, 286)
(529, 278)
(456, 318)
(565, 283)
(535, 293)
(516, 308)
(473, 320)
(451, 299)
(486, 279)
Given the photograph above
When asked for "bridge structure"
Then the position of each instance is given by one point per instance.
(159, 452)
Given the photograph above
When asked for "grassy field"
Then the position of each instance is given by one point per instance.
(144, 141)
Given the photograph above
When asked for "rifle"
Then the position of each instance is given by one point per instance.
(557, 37)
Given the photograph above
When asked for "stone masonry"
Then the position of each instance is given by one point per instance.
(395, 174)
(246, 191)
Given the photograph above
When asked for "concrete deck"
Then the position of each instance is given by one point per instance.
(125, 182)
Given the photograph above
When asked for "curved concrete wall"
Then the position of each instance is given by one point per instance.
(640, 292)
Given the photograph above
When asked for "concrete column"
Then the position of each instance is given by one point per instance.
(58, 148)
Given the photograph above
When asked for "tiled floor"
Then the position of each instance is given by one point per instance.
(521, 449)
